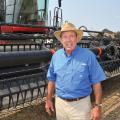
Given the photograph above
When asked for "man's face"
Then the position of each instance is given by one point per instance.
(69, 40)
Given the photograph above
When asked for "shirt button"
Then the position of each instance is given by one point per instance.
(69, 62)
(81, 76)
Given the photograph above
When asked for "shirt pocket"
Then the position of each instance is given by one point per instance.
(81, 71)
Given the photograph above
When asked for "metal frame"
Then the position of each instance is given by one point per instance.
(23, 88)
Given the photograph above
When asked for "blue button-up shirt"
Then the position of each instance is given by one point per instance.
(73, 75)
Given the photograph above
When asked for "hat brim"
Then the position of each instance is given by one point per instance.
(78, 32)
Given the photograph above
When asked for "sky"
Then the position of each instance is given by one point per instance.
(94, 14)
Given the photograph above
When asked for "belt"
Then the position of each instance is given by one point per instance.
(71, 100)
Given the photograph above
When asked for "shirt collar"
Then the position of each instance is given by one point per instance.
(73, 52)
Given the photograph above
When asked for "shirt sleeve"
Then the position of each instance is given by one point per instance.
(96, 72)
(51, 76)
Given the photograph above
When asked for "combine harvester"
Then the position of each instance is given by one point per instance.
(26, 40)
(24, 57)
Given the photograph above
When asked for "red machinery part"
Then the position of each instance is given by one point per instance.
(22, 29)
(4, 42)
(99, 52)
(52, 51)
(6, 29)
(0, 29)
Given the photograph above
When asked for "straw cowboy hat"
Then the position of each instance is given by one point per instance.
(69, 27)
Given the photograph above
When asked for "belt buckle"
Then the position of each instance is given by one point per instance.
(77, 99)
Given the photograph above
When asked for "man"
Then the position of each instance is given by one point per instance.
(72, 72)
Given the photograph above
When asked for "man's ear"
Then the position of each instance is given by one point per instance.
(61, 41)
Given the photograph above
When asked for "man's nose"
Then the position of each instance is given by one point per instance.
(68, 39)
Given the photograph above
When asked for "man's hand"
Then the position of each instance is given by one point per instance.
(96, 113)
(49, 107)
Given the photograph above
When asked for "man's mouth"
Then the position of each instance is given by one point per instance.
(69, 45)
